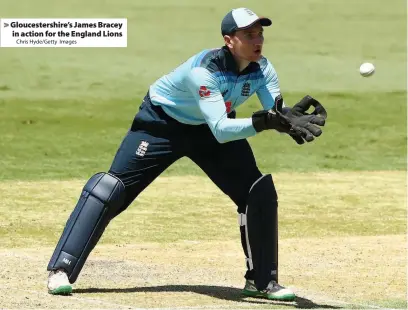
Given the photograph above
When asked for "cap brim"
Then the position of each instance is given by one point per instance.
(264, 21)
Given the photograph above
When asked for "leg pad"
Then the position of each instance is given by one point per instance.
(261, 231)
(101, 196)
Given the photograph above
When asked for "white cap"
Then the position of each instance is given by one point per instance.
(241, 18)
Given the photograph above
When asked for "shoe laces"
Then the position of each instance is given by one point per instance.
(60, 273)
(273, 286)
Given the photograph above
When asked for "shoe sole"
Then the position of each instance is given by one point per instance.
(257, 294)
(62, 290)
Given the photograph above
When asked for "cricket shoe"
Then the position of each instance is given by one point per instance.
(273, 291)
(58, 283)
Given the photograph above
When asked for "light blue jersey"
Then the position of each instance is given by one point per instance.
(207, 87)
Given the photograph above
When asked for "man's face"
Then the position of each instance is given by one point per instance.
(247, 43)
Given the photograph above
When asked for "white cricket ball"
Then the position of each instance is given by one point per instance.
(367, 69)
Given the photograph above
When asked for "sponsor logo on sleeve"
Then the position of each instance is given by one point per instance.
(204, 92)
(228, 105)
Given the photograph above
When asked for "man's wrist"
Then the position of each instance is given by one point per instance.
(259, 120)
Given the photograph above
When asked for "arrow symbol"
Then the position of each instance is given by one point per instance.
(6, 25)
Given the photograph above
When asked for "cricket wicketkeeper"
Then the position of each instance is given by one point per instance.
(191, 112)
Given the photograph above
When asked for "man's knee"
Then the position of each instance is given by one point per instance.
(263, 193)
(257, 184)
(262, 198)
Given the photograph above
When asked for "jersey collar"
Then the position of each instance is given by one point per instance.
(231, 65)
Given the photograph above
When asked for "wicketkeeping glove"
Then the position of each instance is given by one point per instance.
(304, 124)
(271, 119)
(293, 121)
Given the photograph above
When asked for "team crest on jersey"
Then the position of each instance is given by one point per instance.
(246, 89)
(204, 92)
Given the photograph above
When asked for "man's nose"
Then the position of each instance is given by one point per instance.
(258, 41)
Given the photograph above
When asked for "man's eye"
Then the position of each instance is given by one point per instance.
(251, 36)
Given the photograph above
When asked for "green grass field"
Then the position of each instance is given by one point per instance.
(61, 108)
(63, 113)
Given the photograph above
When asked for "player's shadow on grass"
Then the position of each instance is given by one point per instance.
(220, 292)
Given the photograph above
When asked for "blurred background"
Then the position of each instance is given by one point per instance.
(70, 107)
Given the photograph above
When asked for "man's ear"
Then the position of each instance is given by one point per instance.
(227, 41)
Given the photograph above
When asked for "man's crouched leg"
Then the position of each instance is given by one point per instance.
(101, 196)
(259, 229)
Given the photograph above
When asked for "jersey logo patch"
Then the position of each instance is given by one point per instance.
(141, 150)
(204, 92)
(246, 89)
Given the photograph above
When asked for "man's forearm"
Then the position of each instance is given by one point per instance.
(233, 129)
